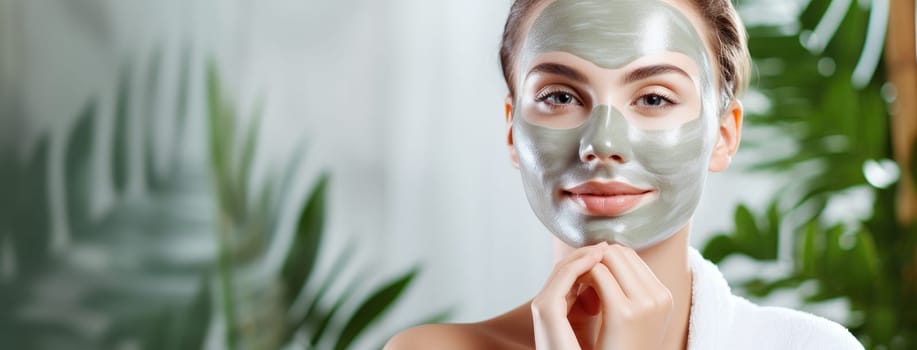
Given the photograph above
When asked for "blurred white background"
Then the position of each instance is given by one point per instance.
(401, 101)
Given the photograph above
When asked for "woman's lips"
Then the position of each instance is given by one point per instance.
(607, 198)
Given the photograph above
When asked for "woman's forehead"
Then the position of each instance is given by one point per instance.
(612, 33)
(579, 69)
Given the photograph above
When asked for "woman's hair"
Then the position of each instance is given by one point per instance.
(727, 35)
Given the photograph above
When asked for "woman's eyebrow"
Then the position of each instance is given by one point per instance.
(558, 69)
(649, 71)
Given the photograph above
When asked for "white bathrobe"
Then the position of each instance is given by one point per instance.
(721, 320)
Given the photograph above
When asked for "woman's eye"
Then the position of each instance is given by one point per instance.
(653, 100)
(559, 98)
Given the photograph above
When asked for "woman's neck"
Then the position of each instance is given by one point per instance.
(669, 261)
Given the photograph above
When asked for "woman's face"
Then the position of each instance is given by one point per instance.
(614, 120)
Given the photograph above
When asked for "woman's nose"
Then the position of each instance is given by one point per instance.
(605, 137)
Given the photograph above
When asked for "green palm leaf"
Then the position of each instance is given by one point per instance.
(838, 129)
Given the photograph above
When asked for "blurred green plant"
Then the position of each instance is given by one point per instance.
(125, 275)
(93, 282)
(826, 100)
(265, 310)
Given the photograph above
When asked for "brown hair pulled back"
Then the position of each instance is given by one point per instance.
(727, 35)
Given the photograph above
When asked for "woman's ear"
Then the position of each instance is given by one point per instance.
(509, 131)
(730, 134)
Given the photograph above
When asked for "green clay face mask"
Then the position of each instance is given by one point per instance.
(604, 154)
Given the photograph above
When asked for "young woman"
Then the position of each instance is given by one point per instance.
(617, 109)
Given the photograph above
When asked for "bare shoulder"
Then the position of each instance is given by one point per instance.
(439, 336)
(512, 330)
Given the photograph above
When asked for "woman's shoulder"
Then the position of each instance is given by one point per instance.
(507, 331)
(793, 328)
(439, 336)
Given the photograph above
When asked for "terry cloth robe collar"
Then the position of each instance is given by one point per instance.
(712, 304)
(720, 320)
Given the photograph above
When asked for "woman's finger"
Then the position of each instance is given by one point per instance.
(616, 260)
(653, 288)
(637, 315)
(607, 287)
(563, 278)
(551, 306)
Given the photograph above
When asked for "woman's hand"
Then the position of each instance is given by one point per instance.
(552, 309)
(636, 306)
(612, 280)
